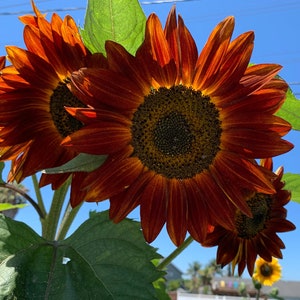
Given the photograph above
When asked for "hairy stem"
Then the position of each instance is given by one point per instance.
(67, 221)
(166, 261)
(25, 195)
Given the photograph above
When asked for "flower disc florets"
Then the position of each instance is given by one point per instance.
(176, 132)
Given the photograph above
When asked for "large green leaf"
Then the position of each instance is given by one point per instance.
(290, 110)
(101, 260)
(292, 183)
(122, 21)
(81, 163)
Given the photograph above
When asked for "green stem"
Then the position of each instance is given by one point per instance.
(52, 219)
(258, 294)
(38, 194)
(67, 221)
(175, 253)
(26, 196)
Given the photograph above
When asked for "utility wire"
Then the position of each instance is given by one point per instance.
(278, 7)
(24, 12)
(80, 7)
(22, 4)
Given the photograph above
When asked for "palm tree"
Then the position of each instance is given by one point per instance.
(207, 274)
(193, 271)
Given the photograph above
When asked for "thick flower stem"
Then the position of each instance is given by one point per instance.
(38, 195)
(175, 253)
(258, 294)
(68, 218)
(51, 222)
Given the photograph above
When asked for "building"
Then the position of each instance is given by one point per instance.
(228, 288)
(231, 286)
(173, 273)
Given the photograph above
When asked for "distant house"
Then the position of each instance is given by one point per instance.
(231, 285)
(227, 288)
(173, 273)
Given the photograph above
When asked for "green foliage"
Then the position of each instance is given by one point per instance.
(7, 206)
(101, 260)
(122, 21)
(160, 284)
(174, 285)
(292, 183)
(160, 287)
(81, 163)
(275, 294)
(290, 110)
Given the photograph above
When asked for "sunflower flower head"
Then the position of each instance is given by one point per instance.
(267, 272)
(255, 235)
(173, 125)
(34, 91)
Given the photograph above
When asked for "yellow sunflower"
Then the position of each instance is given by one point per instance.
(181, 130)
(34, 90)
(267, 272)
(256, 235)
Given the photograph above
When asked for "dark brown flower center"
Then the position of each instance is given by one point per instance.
(260, 205)
(266, 270)
(63, 121)
(176, 132)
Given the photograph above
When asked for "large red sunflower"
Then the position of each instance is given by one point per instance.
(257, 235)
(181, 131)
(33, 93)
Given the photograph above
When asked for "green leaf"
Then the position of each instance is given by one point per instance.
(160, 287)
(160, 284)
(292, 183)
(81, 163)
(101, 260)
(7, 206)
(122, 21)
(290, 110)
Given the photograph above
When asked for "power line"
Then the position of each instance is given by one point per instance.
(165, 1)
(22, 4)
(280, 7)
(23, 12)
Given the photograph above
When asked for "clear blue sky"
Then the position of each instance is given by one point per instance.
(276, 26)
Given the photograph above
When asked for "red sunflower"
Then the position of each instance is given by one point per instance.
(257, 235)
(33, 93)
(181, 131)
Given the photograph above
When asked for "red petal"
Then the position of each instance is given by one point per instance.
(99, 138)
(153, 207)
(121, 205)
(212, 55)
(255, 143)
(188, 53)
(238, 172)
(198, 217)
(234, 66)
(176, 211)
(114, 177)
(101, 87)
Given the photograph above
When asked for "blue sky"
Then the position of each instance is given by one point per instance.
(276, 27)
